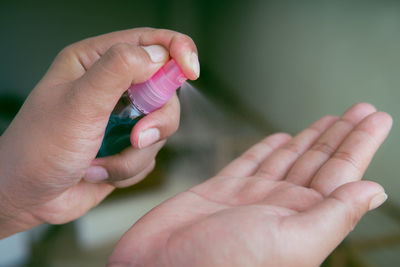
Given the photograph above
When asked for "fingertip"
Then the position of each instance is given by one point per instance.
(142, 138)
(365, 106)
(145, 133)
(184, 51)
(148, 137)
(193, 65)
(377, 200)
(361, 195)
(377, 124)
(386, 117)
(359, 110)
(189, 63)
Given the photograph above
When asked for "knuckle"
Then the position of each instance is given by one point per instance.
(266, 173)
(349, 220)
(66, 52)
(176, 36)
(250, 157)
(347, 158)
(367, 137)
(185, 38)
(77, 53)
(146, 29)
(330, 117)
(168, 118)
(299, 176)
(123, 55)
(323, 147)
(275, 140)
(125, 169)
(292, 147)
(313, 131)
(351, 215)
(135, 178)
(174, 126)
(283, 135)
(355, 218)
(170, 113)
(165, 32)
(174, 118)
(346, 123)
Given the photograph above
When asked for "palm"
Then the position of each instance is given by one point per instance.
(276, 200)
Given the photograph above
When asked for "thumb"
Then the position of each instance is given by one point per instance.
(326, 224)
(98, 90)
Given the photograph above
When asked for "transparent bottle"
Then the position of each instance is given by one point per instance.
(137, 101)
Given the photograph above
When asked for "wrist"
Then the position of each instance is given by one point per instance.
(12, 219)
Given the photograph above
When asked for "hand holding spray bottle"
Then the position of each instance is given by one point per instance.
(137, 101)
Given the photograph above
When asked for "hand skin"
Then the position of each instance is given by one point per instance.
(285, 202)
(48, 170)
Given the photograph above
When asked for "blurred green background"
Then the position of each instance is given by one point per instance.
(265, 66)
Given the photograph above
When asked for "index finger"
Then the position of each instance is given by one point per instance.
(81, 55)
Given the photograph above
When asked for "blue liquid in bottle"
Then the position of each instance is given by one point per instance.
(117, 135)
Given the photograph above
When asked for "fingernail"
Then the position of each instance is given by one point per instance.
(157, 53)
(377, 200)
(195, 64)
(96, 174)
(148, 137)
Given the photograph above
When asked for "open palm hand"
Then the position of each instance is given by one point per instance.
(285, 202)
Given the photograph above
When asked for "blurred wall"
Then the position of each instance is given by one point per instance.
(33, 32)
(295, 61)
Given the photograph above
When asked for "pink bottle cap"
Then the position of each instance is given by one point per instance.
(156, 92)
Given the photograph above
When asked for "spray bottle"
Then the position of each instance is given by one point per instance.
(137, 101)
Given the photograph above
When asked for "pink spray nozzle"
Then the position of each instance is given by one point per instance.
(157, 91)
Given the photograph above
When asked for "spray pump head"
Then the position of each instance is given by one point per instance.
(156, 92)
